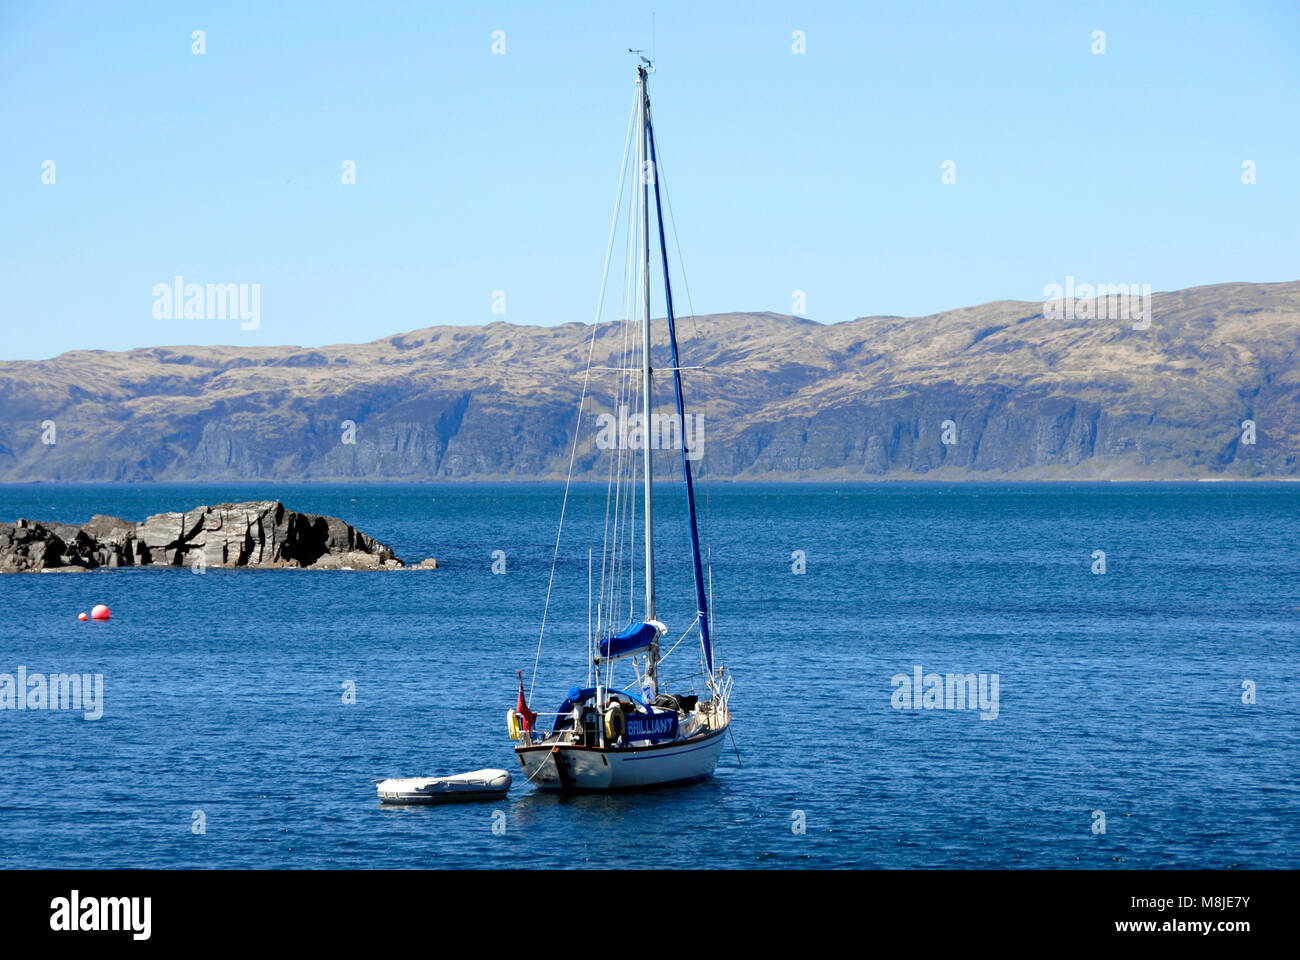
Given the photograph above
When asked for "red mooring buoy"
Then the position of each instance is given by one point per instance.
(82, 616)
(99, 612)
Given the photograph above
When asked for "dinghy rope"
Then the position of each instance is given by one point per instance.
(586, 377)
(540, 766)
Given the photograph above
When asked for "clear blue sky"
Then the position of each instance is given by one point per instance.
(477, 172)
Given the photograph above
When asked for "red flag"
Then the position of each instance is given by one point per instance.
(526, 717)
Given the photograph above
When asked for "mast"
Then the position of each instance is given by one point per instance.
(647, 172)
(701, 602)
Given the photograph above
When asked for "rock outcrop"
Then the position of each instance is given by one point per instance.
(261, 533)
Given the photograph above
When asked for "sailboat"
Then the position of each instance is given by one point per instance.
(614, 732)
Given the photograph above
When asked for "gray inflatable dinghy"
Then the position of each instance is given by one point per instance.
(463, 787)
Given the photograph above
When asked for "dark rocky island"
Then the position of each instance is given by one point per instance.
(261, 533)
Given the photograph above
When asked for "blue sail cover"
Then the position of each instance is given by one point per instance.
(578, 695)
(637, 635)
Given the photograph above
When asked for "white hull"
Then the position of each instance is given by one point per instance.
(591, 768)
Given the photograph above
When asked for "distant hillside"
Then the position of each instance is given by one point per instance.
(782, 398)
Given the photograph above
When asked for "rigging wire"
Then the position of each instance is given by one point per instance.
(679, 640)
(620, 501)
(702, 473)
(577, 429)
(610, 568)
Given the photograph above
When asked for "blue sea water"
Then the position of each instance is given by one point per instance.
(1119, 692)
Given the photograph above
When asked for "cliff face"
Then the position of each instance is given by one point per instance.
(1028, 397)
(256, 534)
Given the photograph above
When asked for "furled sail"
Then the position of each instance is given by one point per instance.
(637, 636)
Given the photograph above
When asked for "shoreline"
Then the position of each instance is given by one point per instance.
(560, 481)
